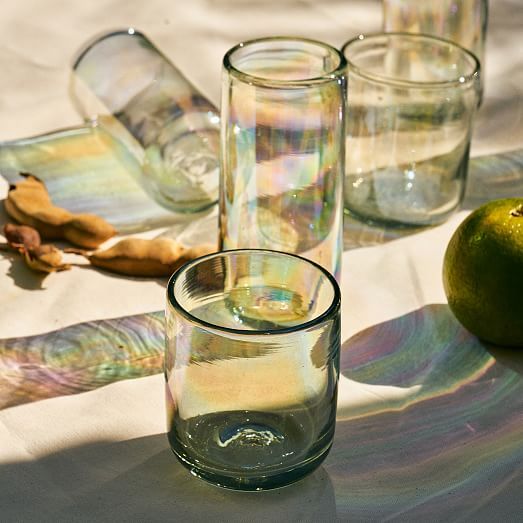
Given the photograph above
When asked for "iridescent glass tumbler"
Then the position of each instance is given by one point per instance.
(124, 75)
(251, 367)
(283, 148)
(411, 102)
(462, 21)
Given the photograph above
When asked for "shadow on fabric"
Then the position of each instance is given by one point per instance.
(141, 480)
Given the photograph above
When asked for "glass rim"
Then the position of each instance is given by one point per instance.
(100, 37)
(460, 81)
(331, 310)
(329, 76)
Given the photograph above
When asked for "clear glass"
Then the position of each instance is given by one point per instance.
(251, 367)
(283, 149)
(411, 102)
(124, 74)
(462, 21)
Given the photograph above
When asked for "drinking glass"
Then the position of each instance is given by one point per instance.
(462, 21)
(251, 367)
(411, 102)
(283, 148)
(122, 73)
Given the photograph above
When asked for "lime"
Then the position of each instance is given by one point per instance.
(483, 272)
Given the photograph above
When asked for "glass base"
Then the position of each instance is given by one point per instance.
(382, 221)
(252, 450)
(250, 484)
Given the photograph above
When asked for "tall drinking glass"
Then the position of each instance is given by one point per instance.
(175, 126)
(283, 148)
(251, 367)
(462, 21)
(411, 102)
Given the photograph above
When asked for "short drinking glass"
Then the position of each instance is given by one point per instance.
(282, 140)
(411, 102)
(251, 367)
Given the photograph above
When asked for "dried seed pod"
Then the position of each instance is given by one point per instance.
(44, 258)
(19, 236)
(29, 203)
(38, 257)
(190, 253)
(139, 257)
(87, 230)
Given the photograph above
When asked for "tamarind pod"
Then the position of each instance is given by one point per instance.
(29, 203)
(158, 257)
(139, 257)
(87, 230)
(21, 236)
(191, 253)
(44, 258)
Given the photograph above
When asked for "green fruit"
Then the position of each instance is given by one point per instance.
(483, 272)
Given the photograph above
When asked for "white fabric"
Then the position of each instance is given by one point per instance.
(88, 456)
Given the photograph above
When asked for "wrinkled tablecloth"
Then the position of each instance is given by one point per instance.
(430, 421)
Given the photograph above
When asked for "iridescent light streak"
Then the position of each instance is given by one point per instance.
(454, 449)
(80, 357)
(87, 169)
